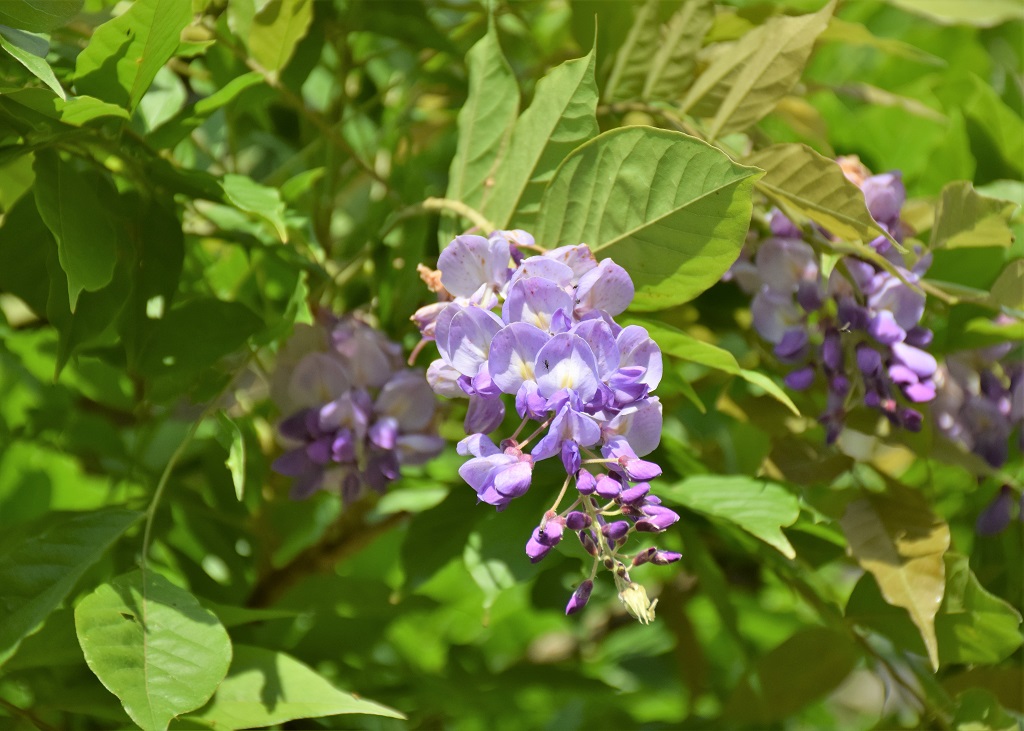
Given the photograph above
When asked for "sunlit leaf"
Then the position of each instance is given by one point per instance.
(979, 710)
(1008, 290)
(38, 574)
(264, 688)
(672, 66)
(897, 538)
(276, 29)
(982, 13)
(757, 506)
(125, 53)
(626, 79)
(33, 62)
(967, 219)
(669, 208)
(258, 200)
(153, 646)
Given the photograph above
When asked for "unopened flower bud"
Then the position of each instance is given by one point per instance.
(580, 597)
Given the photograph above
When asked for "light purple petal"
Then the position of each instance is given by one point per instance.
(471, 261)
(917, 360)
(607, 288)
(579, 258)
(444, 380)
(884, 329)
(784, 263)
(408, 399)
(513, 355)
(567, 362)
(484, 415)
(317, 378)
(638, 349)
(535, 301)
(478, 445)
(639, 424)
(469, 339)
(602, 342)
(905, 304)
(545, 268)
(415, 449)
(774, 314)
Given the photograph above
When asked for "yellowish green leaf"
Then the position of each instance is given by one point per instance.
(964, 218)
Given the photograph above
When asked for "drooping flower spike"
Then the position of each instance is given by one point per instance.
(541, 329)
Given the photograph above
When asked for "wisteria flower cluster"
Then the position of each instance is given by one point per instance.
(541, 329)
(860, 314)
(356, 413)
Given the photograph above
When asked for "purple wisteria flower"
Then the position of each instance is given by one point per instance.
(858, 330)
(356, 413)
(540, 332)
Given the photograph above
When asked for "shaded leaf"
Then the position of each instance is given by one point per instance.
(236, 453)
(897, 538)
(671, 209)
(34, 63)
(38, 16)
(435, 537)
(258, 200)
(965, 218)
(979, 710)
(125, 53)
(178, 127)
(38, 574)
(277, 29)
(153, 646)
(560, 118)
(757, 506)
(1005, 682)
(264, 688)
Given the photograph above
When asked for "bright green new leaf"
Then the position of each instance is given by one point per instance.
(802, 669)
(264, 688)
(560, 119)
(812, 186)
(674, 61)
(153, 646)
(897, 538)
(764, 66)
(759, 507)
(125, 53)
(629, 71)
(80, 110)
(236, 453)
(681, 345)
(967, 219)
(485, 124)
(981, 13)
(70, 207)
(38, 574)
(671, 209)
(38, 16)
(277, 29)
(35, 63)
(258, 200)
(974, 626)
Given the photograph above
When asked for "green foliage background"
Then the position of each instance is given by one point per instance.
(181, 181)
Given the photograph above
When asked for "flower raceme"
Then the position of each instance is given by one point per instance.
(541, 330)
(356, 413)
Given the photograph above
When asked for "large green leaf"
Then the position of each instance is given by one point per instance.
(38, 574)
(153, 646)
(897, 538)
(264, 688)
(485, 124)
(673, 64)
(974, 626)
(277, 29)
(35, 63)
(759, 507)
(763, 67)
(125, 53)
(560, 118)
(681, 345)
(38, 16)
(70, 207)
(671, 209)
(965, 218)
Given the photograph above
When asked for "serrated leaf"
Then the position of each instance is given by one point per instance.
(560, 118)
(681, 345)
(258, 200)
(965, 218)
(629, 71)
(758, 71)
(759, 507)
(34, 63)
(277, 29)
(801, 180)
(485, 124)
(38, 574)
(125, 53)
(70, 207)
(673, 64)
(38, 16)
(671, 209)
(153, 646)
(897, 538)
(264, 688)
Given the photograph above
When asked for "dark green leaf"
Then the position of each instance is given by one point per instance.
(35, 63)
(38, 16)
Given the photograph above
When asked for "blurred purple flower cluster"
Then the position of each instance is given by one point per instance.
(858, 328)
(356, 413)
(554, 346)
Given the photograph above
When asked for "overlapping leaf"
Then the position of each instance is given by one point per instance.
(277, 29)
(965, 218)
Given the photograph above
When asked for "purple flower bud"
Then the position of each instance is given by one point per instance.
(384, 432)
(793, 346)
(571, 456)
(884, 329)
(832, 350)
(839, 385)
(535, 548)
(781, 226)
(616, 531)
(800, 379)
(551, 534)
(920, 393)
(589, 542)
(920, 362)
(851, 315)
(997, 515)
(808, 295)
(635, 494)
(608, 487)
(585, 482)
(658, 519)
(911, 420)
(644, 556)
(902, 375)
(664, 558)
(919, 337)
(580, 597)
(869, 360)
(577, 520)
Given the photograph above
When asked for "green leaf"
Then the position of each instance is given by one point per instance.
(258, 200)
(277, 29)
(153, 646)
(38, 574)
(71, 208)
(965, 218)
(178, 127)
(980, 13)
(973, 625)
(813, 186)
(757, 506)
(125, 53)
(435, 537)
(674, 62)
(34, 63)
(264, 688)
(80, 110)
(979, 710)
(560, 118)
(1007, 289)
(38, 16)
(681, 345)
(633, 59)
(485, 124)
(236, 453)
(671, 209)
(763, 67)
(896, 537)
(855, 34)
(799, 671)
